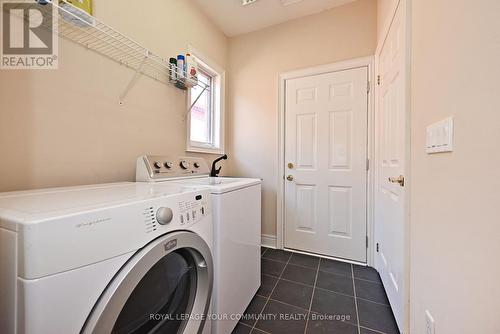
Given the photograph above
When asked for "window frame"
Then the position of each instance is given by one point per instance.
(216, 130)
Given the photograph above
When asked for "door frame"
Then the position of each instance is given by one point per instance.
(368, 62)
(407, 170)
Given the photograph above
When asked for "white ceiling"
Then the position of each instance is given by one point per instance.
(234, 19)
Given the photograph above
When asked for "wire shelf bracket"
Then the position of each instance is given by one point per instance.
(197, 98)
(132, 81)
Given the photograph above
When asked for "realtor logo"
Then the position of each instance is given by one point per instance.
(28, 38)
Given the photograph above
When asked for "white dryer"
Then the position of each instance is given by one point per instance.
(237, 230)
(112, 258)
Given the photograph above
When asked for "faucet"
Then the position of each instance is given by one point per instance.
(215, 171)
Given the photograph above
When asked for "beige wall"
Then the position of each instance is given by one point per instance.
(65, 127)
(455, 213)
(255, 61)
(385, 11)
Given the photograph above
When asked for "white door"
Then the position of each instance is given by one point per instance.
(390, 231)
(326, 119)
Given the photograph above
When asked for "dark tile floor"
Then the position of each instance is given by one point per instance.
(308, 295)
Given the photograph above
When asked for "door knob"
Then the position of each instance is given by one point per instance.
(289, 177)
(400, 179)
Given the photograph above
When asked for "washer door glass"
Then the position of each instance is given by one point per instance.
(163, 297)
(165, 287)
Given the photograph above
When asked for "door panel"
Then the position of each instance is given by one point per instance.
(326, 141)
(391, 138)
(306, 202)
(306, 141)
(340, 207)
(340, 139)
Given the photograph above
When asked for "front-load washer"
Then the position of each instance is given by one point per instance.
(112, 258)
(237, 230)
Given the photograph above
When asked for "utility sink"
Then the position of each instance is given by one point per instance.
(215, 180)
(218, 184)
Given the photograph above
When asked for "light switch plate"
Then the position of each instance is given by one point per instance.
(439, 136)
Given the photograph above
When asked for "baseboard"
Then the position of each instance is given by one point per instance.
(267, 240)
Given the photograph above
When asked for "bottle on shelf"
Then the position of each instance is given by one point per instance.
(191, 71)
(181, 72)
(172, 69)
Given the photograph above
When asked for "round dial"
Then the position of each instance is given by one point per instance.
(164, 215)
(157, 164)
(196, 165)
(168, 164)
(184, 164)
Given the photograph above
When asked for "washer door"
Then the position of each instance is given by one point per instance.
(164, 288)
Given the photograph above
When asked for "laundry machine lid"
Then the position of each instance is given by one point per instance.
(25, 207)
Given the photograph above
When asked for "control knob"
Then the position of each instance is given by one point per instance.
(164, 215)
(196, 165)
(157, 164)
(168, 164)
(184, 164)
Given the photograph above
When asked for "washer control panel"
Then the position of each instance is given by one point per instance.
(190, 212)
(154, 168)
(181, 213)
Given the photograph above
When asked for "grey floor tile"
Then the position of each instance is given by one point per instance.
(366, 273)
(280, 319)
(241, 329)
(335, 267)
(267, 284)
(293, 293)
(371, 291)
(253, 310)
(299, 274)
(367, 331)
(326, 302)
(335, 282)
(333, 297)
(277, 255)
(258, 331)
(377, 317)
(270, 267)
(330, 327)
(305, 260)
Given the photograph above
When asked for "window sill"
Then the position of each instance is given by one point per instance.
(195, 149)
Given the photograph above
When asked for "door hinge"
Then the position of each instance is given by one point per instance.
(378, 80)
(367, 164)
(366, 241)
(377, 247)
(368, 87)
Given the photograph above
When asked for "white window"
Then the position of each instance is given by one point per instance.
(205, 132)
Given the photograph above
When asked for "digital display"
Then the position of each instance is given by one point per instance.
(198, 197)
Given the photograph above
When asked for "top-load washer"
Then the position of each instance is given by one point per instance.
(237, 230)
(112, 258)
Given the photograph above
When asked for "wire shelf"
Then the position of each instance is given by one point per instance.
(78, 26)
